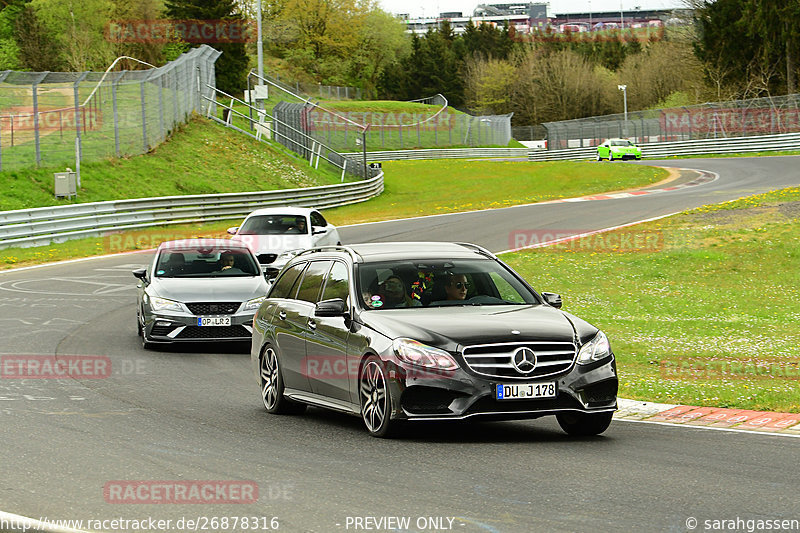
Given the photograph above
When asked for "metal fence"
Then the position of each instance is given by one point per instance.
(443, 153)
(326, 92)
(43, 225)
(739, 118)
(284, 129)
(732, 145)
(55, 119)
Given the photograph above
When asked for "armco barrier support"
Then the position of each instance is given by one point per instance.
(44, 225)
(443, 153)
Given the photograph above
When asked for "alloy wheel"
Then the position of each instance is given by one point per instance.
(269, 379)
(374, 397)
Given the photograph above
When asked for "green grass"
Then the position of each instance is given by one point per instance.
(203, 158)
(716, 290)
(412, 188)
(415, 188)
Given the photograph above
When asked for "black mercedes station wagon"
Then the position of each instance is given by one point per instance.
(400, 332)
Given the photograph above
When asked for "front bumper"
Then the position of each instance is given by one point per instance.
(460, 394)
(169, 328)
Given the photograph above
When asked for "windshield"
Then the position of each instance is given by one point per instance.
(206, 263)
(274, 225)
(621, 143)
(439, 283)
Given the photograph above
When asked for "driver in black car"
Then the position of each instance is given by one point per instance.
(456, 287)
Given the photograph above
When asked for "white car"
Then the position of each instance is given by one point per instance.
(271, 231)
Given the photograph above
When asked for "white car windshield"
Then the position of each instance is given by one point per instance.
(274, 225)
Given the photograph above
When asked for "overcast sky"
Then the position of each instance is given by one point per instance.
(431, 8)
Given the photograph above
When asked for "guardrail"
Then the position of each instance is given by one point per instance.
(44, 225)
(440, 153)
(731, 145)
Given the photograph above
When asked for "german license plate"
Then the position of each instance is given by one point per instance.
(213, 321)
(525, 391)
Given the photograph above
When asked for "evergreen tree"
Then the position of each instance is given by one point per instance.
(231, 67)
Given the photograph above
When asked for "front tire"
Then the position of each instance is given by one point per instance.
(376, 399)
(583, 424)
(610, 156)
(599, 158)
(272, 386)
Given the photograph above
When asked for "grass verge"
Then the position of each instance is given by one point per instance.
(412, 188)
(416, 188)
(705, 314)
(200, 158)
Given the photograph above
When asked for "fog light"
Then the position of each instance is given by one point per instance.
(162, 323)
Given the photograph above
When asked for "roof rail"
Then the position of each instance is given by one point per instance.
(333, 248)
(480, 249)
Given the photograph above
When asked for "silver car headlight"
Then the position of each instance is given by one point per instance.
(415, 353)
(255, 303)
(596, 349)
(162, 304)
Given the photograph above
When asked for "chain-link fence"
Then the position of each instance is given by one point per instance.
(739, 118)
(429, 128)
(50, 119)
(316, 90)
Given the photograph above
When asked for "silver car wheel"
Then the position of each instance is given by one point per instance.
(269, 379)
(374, 400)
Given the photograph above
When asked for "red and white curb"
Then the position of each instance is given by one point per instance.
(705, 177)
(718, 418)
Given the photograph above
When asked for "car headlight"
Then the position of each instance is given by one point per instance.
(596, 349)
(255, 303)
(162, 304)
(418, 354)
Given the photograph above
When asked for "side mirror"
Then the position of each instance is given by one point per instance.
(141, 274)
(552, 299)
(333, 307)
(318, 230)
(271, 272)
(233, 230)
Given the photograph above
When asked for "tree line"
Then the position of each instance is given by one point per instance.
(729, 49)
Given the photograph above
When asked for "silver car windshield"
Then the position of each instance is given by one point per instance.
(439, 283)
(206, 263)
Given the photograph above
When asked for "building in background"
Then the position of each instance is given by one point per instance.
(527, 18)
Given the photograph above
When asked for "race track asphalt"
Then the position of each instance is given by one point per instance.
(194, 413)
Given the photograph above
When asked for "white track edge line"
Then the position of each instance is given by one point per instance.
(731, 430)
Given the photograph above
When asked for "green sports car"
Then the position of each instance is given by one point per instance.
(618, 149)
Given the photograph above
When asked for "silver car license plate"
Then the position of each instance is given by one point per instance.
(213, 321)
